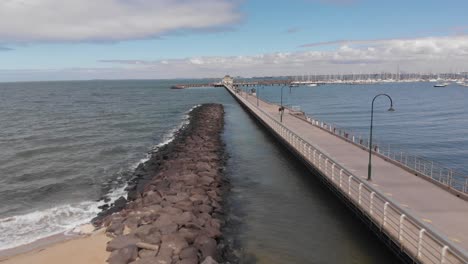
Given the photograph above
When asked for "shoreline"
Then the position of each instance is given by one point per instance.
(107, 201)
(200, 137)
(83, 248)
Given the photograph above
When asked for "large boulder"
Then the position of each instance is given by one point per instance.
(175, 242)
(206, 245)
(121, 242)
(189, 253)
(209, 260)
(123, 255)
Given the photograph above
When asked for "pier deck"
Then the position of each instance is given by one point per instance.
(410, 206)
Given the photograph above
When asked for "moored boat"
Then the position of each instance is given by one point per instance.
(441, 85)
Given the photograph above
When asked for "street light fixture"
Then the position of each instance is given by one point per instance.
(391, 109)
(256, 94)
(281, 107)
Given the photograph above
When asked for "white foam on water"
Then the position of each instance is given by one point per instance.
(170, 136)
(24, 229)
(141, 161)
(167, 137)
(27, 228)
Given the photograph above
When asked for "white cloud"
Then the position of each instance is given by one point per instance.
(416, 55)
(441, 54)
(109, 20)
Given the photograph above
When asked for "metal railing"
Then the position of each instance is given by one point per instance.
(422, 166)
(416, 239)
(431, 169)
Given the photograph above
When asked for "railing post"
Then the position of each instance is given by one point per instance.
(320, 165)
(451, 178)
(360, 193)
(432, 167)
(326, 163)
(314, 156)
(443, 254)
(385, 214)
(341, 174)
(400, 231)
(333, 172)
(349, 185)
(371, 207)
(421, 234)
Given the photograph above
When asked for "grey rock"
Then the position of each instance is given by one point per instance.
(175, 242)
(163, 220)
(177, 198)
(165, 255)
(212, 231)
(184, 218)
(148, 246)
(146, 253)
(199, 198)
(124, 255)
(189, 252)
(189, 234)
(145, 230)
(171, 210)
(121, 242)
(154, 238)
(189, 261)
(168, 229)
(115, 228)
(205, 208)
(209, 260)
(206, 245)
(147, 260)
(205, 180)
(202, 166)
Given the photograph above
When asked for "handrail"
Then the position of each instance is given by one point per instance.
(422, 166)
(446, 246)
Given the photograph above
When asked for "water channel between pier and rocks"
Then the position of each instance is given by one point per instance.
(274, 212)
(174, 210)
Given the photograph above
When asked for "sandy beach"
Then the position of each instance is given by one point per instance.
(90, 249)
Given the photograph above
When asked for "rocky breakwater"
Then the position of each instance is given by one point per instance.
(175, 217)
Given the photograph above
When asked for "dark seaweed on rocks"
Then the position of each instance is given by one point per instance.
(174, 210)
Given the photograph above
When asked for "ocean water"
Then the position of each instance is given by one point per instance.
(65, 145)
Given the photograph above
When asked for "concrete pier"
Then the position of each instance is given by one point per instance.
(416, 217)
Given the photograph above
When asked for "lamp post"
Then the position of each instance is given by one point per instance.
(256, 93)
(369, 168)
(281, 107)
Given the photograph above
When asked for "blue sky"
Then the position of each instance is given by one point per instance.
(36, 48)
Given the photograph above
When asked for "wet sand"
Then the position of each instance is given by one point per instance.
(90, 249)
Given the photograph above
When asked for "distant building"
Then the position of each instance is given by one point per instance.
(228, 80)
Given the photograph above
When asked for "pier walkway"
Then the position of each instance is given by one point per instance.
(417, 217)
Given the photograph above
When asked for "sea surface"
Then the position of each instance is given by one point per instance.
(65, 145)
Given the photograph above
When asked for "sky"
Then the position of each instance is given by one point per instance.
(164, 39)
